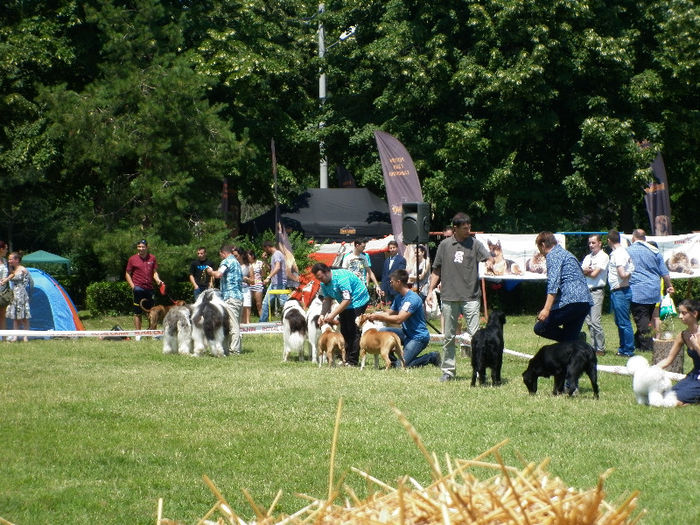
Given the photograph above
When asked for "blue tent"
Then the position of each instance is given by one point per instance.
(50, 305)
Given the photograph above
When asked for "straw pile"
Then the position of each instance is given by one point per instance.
(512, 496)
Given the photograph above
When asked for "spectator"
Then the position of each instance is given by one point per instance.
(4, 285)
(687, 389)
(19, 310)
(352, 296)
(256, 273)
(407, 310)
(276, 279)
(199, 277)
(230, 283)
(568, 299)
(619, 271)
(421, 287)
(456, 266)
(358, 263)
(246, 280)
(595, 268)
(649, 266)
(141, 271)
(291, 268)
(394, 261)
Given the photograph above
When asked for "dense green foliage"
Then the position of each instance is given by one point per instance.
(122, 119)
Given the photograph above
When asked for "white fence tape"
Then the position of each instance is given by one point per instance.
(261, 329)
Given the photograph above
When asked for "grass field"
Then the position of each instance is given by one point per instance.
(96, 431)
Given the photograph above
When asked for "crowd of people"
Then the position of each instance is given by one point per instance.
(574, 292)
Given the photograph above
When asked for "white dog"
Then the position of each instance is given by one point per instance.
(177, 331)
(294, 329)
(651, 384)
(312, 329)
(210, 324)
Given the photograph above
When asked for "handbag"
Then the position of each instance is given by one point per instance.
(6, 297)
(667, 308)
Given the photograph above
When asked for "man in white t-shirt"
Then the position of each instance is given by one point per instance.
(620, 269)
(357, 261)
(595, 268)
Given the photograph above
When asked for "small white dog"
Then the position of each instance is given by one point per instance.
(312, 328)
(294, 329)
(651, 384)
(177, 331)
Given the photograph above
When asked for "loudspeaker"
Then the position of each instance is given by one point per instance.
(415, 221)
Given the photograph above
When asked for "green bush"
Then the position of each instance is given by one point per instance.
(108, 298)
(116, 297)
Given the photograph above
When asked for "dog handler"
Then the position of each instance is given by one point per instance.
(141, 271)
(352, 296)
(456, 266)
(407, 310)
(231, 284)
(568, 298)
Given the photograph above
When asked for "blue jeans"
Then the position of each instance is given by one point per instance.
(411, 349)
(279, 299)
(620, 300)
(563, 324)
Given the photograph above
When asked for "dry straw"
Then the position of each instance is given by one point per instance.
(512, 496)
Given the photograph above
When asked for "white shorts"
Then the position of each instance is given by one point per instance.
(246, 299)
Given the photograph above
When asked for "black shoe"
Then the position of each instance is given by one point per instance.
(446, 377)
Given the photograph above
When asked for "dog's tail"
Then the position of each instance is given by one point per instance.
(147, 310)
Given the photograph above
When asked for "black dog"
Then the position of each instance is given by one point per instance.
(566, 362)
(487, 349)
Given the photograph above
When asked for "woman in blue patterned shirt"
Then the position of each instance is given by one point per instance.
(568, 299)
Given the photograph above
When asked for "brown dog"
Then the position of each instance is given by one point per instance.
(157, 313)
(376, 343)
(330, 344)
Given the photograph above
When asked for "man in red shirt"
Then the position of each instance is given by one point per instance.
(141, 271)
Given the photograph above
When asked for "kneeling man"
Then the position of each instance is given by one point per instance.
(407, 310)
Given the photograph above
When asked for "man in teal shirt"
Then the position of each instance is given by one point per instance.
(352, 296)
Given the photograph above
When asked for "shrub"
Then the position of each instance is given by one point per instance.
(108, 298)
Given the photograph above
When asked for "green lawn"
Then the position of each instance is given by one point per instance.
(96, 431)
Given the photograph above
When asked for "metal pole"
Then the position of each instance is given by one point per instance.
(323, 165)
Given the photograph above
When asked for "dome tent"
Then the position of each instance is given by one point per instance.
(51, 306)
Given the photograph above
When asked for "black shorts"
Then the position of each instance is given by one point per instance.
(142, 295)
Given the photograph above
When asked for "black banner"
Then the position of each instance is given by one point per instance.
(400, 179)
(657, 200)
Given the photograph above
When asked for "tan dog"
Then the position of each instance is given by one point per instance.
(377, 343)
(157, 313)
(330, 344)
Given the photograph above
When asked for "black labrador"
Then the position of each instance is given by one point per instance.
(566, 362)
(487, 349)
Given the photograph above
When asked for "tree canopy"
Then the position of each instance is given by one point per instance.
(122, 119)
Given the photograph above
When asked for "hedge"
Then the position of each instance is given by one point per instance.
(116, 298)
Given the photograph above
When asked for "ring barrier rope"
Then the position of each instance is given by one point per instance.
(270, 328)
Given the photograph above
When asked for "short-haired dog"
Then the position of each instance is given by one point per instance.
(376, 342)
(330, 344)
(565, 361)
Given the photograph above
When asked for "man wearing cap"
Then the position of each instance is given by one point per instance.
(141, 271)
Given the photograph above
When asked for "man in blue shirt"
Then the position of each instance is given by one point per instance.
(645, 284)
(568, 299)
(352, 296)
(407, 310)
(231, 285)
